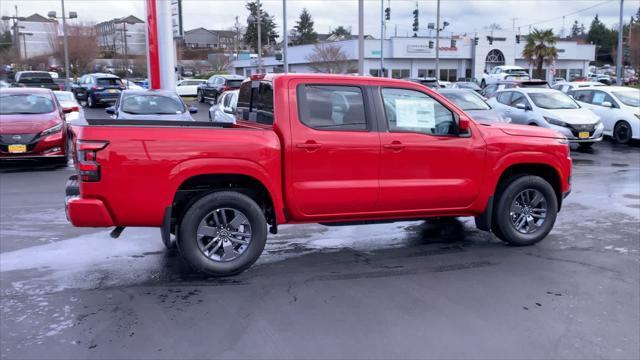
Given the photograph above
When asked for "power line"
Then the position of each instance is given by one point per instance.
(569, 14)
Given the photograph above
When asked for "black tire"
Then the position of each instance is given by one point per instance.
(506, 230)
(585, 146)
(204, 207)
(200, 96)
(169, 241)
(622, 132)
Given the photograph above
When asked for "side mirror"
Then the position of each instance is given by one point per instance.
(193, 110)
(111, 110)
(521, 106)
(463, 125)
(228, 110)
(607, 104)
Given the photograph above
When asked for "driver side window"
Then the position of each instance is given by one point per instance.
(414, 111)
(518, 98)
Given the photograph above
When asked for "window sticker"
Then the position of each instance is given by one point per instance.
(415, 113)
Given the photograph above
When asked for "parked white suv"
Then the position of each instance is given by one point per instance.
(618, 107)
(504, 72)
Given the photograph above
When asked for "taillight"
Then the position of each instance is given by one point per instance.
(75, 108)
(87, 154)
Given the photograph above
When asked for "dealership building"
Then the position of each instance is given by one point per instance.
(465, 56)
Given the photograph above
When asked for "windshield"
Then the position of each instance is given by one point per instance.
(553, 100)
(64, 96)
(109, 81)
(152, 105)
(25, 104)
(628, 97)
(234, 83)
(467, 100)
(35, 78)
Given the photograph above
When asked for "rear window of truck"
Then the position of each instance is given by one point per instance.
(35, 77)
(255, 102)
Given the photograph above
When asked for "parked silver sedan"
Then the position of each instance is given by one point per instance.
(552, 109)
(474, 105)
(223, 111)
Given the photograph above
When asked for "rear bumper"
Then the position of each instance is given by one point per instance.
(84, 212)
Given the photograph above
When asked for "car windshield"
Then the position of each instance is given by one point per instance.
(468, 85)
(467, 100)
(553, 100)
(29, 78)
(64, 96)
(628, 97)
(152, 105)
(109, 81)
(26, 104)
(234, 83)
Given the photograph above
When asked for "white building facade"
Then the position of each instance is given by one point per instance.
(413, 57)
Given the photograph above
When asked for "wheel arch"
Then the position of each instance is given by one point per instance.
(545, 171)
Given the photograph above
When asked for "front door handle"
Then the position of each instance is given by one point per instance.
(394, 146)
(309, 145)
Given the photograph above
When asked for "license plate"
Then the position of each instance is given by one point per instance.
(17, 149)
(517, 78)
(583, 135)
(112, 91)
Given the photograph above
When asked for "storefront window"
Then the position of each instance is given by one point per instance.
(575, 73)
(376, 72)
(448, 75)
(400, 73)
(561, 73)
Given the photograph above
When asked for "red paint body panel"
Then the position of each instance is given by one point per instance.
(152, 40)
(349, 176)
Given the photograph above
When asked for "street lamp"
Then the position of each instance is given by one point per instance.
(124, 37)
(15, 19)
(24, 40)
(72, 15)
(257, 20)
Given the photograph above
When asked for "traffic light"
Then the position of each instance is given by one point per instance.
(430, 44)
(490, 39)
(517, 39)
(453, 43)
(416, 22)
(387, 14)
(475, 40)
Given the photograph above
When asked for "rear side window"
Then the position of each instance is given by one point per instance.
(583, 95)
(328, 107)
(234, 83)
(255, 102)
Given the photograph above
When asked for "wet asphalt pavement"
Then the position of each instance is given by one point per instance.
(435, 289)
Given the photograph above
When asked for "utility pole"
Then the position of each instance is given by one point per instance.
(361, 37)
(438, 41)
(235, 43)
(259, 37)
(382, 38)
(285, 37)
(619, 54)
(66, 48)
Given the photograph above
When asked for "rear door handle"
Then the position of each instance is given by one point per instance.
(394, 146)
(309, 145)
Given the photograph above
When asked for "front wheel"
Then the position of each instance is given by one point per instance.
(90, 102)
(526, 210)
(200, 97)
(223, 233)
(622, 132)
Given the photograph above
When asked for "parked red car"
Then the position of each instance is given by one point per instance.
(32, 125)
(315, 148)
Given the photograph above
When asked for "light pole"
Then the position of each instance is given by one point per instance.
(124, 39)
(257, 20)
(285, 60)
(15, 19)
(619, 72)
(382, 38)
(361, 37)
(72, 15)
(24, 41)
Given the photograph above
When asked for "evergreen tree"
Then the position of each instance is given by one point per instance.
(340, 32)
(267, 27)
(304, 29)
(575, 29)
(602, 37)
(583, 29)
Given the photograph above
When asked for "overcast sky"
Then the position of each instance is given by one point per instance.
(463, 15)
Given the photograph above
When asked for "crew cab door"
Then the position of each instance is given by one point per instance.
(335, 150)
(425, 165)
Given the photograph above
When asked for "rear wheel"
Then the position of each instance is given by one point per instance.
(622, 132)
(526, 210)
(223, 233)
(200, 97)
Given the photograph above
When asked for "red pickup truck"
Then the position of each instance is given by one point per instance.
(324, 149)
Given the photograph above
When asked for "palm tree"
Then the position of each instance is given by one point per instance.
(540, 48)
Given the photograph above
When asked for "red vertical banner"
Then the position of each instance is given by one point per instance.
(153, 51)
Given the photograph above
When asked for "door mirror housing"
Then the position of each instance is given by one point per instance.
(607, 104)
(463, 125)
(111, 110)
(228, 110)
(522, 106)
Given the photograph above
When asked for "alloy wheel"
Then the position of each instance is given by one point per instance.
(528, 211)
(224, 234)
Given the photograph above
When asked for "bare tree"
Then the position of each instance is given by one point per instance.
(328, 58)
(83, 47)
(493, 26)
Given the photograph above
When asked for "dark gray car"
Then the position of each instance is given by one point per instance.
(151, 105)
(474, 105)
